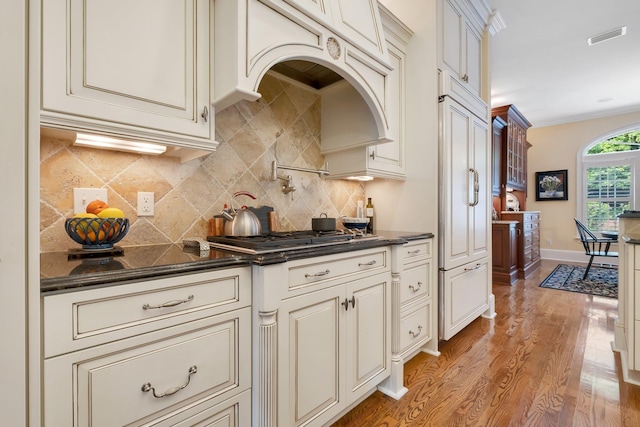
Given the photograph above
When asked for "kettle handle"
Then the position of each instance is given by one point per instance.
(243, 193)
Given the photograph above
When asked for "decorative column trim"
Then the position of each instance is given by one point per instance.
(268, 369)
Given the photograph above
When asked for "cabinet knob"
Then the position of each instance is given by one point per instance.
(373, 154)
(465, 78)
(205, 114)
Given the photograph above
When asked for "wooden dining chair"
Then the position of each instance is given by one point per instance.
(593, 246)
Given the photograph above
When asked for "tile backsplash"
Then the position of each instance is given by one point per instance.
(284, 125)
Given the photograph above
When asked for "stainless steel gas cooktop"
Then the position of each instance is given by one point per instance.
(282, 241)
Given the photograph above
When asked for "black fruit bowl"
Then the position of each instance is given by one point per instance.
(96, 233)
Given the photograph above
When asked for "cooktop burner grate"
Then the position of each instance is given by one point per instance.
(275, 240)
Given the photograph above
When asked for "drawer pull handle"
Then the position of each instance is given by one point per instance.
(416, 288)
(319, 274)
(416, 252)
(413, 334)
(367, 264)
(168, 303)
(477, 266)
(147, 386)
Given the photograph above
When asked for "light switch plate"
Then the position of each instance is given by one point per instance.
(83, 196)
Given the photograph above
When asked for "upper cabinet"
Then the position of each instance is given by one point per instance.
(129, 69)
(515, 146)
(380, 160)
(498, 126)
(460, 44)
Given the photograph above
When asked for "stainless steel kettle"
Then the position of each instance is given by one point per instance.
(241, 222)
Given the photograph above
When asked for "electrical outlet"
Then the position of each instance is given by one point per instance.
(83, 196)
(145, 203)
(549, 242)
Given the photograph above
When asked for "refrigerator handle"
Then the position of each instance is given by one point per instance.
(476, 186)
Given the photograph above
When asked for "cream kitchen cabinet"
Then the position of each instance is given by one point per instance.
(172, 351)
(382, 160)
(414, 315)
(323, 335)
(460, 44)
(465, 185)
(627, 333)
(137, 70)
(466, 294)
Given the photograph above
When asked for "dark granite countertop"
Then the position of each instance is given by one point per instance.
(60, 272)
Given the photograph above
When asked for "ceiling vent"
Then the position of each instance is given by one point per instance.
(612, 34)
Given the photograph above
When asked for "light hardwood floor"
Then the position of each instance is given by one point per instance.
(545, 360)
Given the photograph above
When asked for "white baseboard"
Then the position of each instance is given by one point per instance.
(575, 257)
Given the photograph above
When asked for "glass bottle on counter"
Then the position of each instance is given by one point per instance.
(369, 210)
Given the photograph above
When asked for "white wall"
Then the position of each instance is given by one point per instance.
(413, 205)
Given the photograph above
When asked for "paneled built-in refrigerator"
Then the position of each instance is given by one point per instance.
(464, 256)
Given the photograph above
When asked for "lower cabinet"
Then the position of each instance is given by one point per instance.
(335, 342)
(323, 336)
(505, 252)
(414, 319)
(194, 371)
(528, 230)
(469, 286)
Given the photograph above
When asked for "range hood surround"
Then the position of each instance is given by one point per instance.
(253, 36)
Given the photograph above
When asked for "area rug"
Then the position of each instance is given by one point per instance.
(600, 281)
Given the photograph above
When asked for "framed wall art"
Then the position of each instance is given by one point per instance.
(551, 185)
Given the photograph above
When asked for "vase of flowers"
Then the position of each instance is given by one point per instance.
(550, 184)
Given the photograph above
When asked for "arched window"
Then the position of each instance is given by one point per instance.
(609, 183)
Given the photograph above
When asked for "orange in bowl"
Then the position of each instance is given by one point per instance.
(96, 206)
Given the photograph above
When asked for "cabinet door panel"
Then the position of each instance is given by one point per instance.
(480, 212)
(312, 337)
(465, 296)
(457, 238)
(390, 155)
(368, 339)
(473, 46)
(101, 65)
(451, 37)
(111, 64)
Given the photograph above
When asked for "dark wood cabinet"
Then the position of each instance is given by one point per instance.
(528, 231)
(505, 252)
(515, 146)
(498, 126)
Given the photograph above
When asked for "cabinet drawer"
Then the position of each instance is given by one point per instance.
(528, 239)
(415, 326)
(234, 412)
(415, 251)
(527, 227)
(527, 256)
(81, 319)
(320, 270)
(140, 383)
(415, 282)
(535, 237)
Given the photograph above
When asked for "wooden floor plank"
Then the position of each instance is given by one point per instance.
(545, 360)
